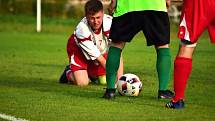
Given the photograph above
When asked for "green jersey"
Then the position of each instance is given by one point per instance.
(125, 6)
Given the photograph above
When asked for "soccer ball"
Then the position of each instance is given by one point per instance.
(129, 85)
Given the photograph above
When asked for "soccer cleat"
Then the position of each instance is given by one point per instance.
(165, 94)
(94, 80)
(109, 94)
(175, 105)
(63, 77)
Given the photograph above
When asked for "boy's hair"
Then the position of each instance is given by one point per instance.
(93, 6)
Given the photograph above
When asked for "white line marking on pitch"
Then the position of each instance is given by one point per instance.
(11, 118)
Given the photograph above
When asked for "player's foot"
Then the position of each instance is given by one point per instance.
(109, 94)
(94, 80)
(63, 77)
(175, 105)
(165, 94)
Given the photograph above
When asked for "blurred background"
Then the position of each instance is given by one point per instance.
(50, 8)
(72, 9)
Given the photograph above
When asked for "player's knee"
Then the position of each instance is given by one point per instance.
(162, 46)
(82, 83)
(185, 51)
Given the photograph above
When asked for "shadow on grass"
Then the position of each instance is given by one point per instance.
(49, 86)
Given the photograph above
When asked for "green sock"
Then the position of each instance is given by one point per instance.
(163, 67)
(112, 65)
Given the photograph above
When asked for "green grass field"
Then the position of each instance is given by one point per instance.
(31, 63)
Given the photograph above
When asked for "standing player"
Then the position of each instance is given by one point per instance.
(88, 46)
(197, 15)
(130, 17)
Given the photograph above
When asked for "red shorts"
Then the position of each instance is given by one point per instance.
(197, 15)
(79, 62)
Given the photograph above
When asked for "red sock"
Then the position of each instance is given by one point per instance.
(68, 73)
(182, 70)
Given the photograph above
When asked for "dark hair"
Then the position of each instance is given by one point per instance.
(93, 6)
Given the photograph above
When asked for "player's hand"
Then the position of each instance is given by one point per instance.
(111, 7)
(168, 3)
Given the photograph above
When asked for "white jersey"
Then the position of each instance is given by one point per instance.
(93, 44)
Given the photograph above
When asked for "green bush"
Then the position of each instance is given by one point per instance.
(50, 8)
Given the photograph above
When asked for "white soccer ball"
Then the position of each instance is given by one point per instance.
(129, 85)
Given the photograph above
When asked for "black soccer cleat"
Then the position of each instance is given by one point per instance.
(175, 105)
(109, 94)
(63, 77)
(165, 94)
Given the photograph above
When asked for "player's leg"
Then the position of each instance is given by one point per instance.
(77, 74)
(63, 77)
(163, 66)
(112, 66)
(123, 29)
(77, 77)
(191, 27)
(96, 72)
(102, 78)
(183, 62)
(156, 28)
(71, 48)
(80, 78)
(121, 69)
(112, 63)
(182, 71)
(211, 31)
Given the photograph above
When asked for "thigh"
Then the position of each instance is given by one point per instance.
(156, 27)
(95, 69)
(71, 46)
(185, 51)
(124, 28)
(195, 18)
(211, 31)
(78, 61)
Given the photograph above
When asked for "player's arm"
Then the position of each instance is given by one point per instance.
(120, 70)
(168, 3)
(112, 7)
(90, 50)
(102, 61)
(83, 35)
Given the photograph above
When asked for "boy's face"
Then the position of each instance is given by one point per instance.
(95, 21)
